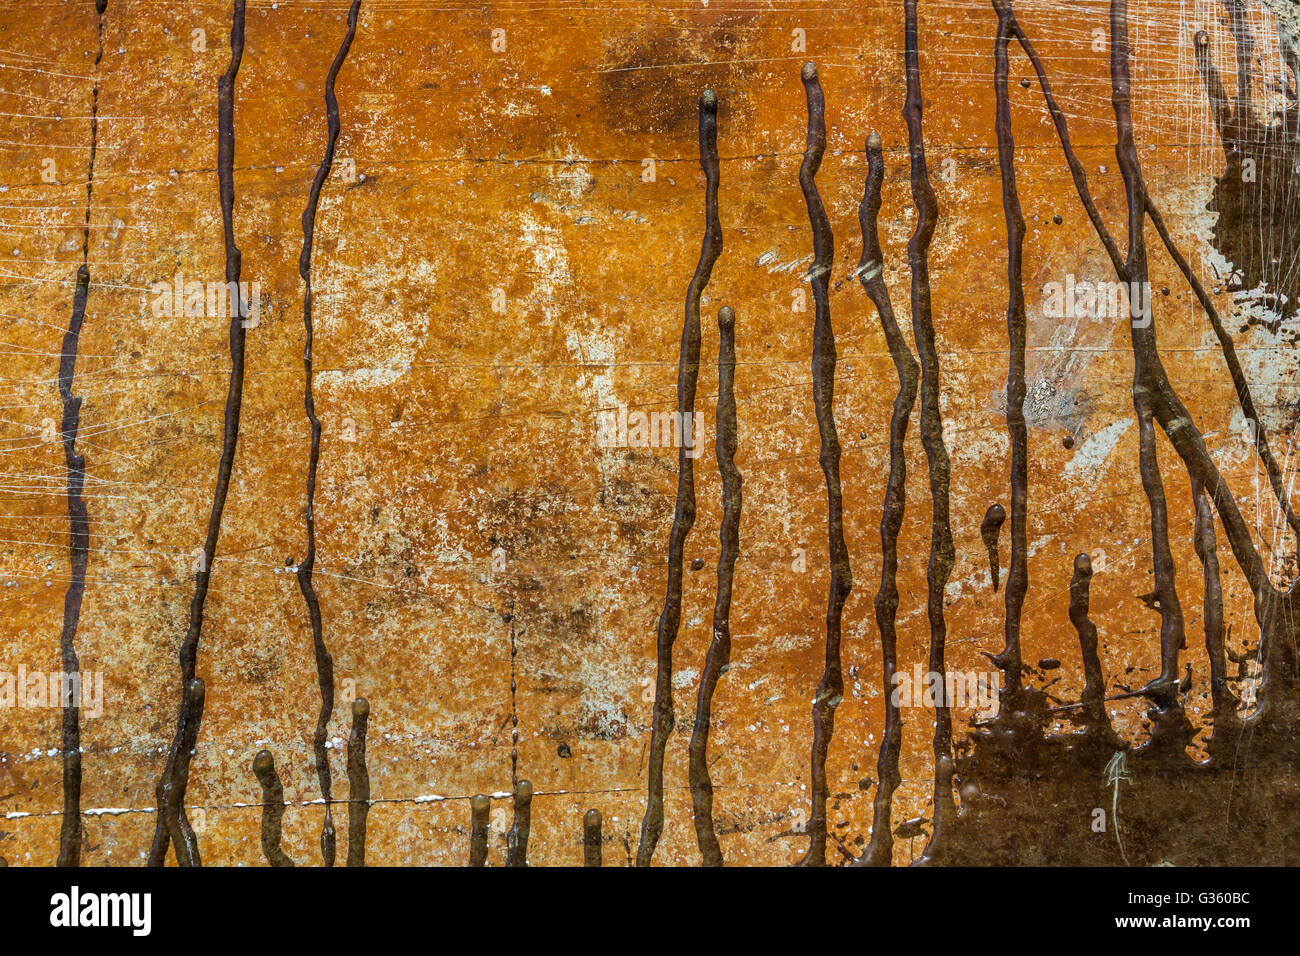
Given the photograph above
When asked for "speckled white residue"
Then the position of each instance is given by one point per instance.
(550, 262)
(574, 175)
(1090, 457)
(594, 351)
(606, 686)
(685, 677)
(393, 336)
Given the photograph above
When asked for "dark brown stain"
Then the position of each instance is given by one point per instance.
(1257, 197)
(648, 81)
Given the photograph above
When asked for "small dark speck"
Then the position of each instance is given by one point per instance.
(1024, 81)
(697, 564)
(1164, 290)
(1049, 664)
(1068, 441)
(1057, 219)
(564, 751)
(865, 784)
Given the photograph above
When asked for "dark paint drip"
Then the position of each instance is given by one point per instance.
(1172, 731)
(1226, 726)
(871, 274)
(591, 838)
(1092, 715)
(1043, 795)
(324, 662)
(174, 823)
(514, 702)
(1163, 691)
(652, 824)
(358, 783)
(171, 785)
(931, 428)
(479, 805)
(517, 839)
(1152, 394)
(70, 828)
(272, 809)
(990, 531)
(1009, 659)
(718, 659)
(831, 689)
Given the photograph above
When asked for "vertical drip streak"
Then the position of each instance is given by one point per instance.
(591, 838)
(718, 659)
(1224, 734)
(941, 545)
(652, 824)
(172, 824)
(990, 530)
(1171, 726)
(871, 274)
(479, 805)
(324, 662)
(358, 783)
(78, 515)
(831, 689)
(517, 839)
(272, 809)
(1009, 660)
(1096, 723)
